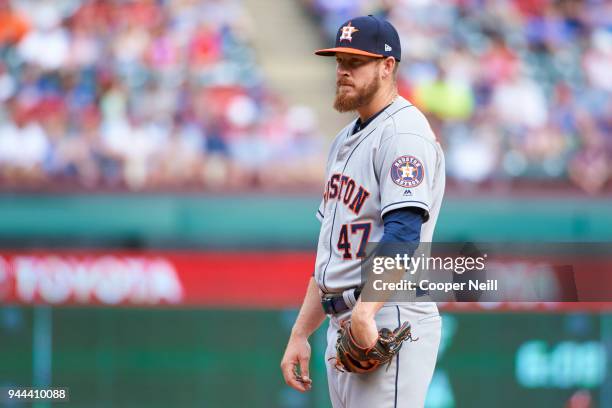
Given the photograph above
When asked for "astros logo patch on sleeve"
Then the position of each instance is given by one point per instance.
(407, 171)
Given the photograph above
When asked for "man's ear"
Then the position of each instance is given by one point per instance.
(388, 65)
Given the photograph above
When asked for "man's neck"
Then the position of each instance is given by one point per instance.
(380, 100)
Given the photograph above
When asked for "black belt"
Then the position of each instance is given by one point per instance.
(335, 303)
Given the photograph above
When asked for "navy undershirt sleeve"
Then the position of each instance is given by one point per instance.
(403, 225)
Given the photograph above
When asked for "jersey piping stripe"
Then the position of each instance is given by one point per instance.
(403, 202)
(399, 323)
(331, 233)
(403, 107)
(320, 213)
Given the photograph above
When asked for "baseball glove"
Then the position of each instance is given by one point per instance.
(356, 359)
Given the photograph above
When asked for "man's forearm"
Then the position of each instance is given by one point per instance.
(366, 310)
(311, 313)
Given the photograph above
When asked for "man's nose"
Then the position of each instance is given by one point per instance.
(341, 71)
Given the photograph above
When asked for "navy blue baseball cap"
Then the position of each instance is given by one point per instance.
(369, 36)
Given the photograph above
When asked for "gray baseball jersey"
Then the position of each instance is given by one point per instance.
(393, 162)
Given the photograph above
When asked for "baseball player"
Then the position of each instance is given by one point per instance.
(385, 182)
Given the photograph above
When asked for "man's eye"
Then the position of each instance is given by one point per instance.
(352, 64)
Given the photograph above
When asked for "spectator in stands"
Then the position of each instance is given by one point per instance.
(526, 78)
(137, 95)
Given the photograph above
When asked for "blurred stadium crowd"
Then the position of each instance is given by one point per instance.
(165, 94)
(517, 89)
(143, 95)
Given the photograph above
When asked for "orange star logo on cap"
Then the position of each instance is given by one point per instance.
(347, 32)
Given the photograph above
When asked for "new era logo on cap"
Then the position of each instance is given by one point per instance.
(369, 36)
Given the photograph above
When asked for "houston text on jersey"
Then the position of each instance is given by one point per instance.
(342, 188)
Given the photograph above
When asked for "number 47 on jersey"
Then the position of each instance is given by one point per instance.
(344, 243)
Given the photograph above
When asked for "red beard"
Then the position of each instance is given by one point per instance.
(347, 103)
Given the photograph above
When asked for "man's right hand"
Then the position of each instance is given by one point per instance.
(297, 354)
